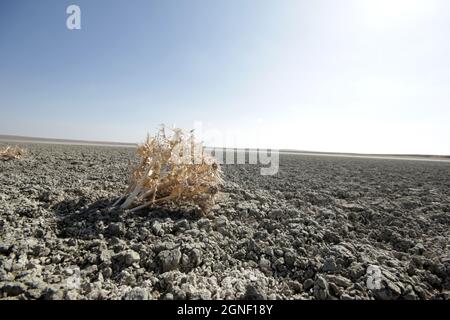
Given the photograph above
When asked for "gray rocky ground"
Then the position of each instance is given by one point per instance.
(322, 228)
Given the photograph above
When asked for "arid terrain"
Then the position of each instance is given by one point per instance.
(322, 228)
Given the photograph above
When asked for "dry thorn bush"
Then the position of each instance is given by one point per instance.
(12, 153)
(173, 170)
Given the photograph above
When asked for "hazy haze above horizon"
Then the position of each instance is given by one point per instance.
(340, 76)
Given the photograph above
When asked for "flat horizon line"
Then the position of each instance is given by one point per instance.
(24, 139)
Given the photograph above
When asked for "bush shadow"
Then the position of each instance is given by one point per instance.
(85, 219)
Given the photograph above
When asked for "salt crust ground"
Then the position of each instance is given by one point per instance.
(323, 228)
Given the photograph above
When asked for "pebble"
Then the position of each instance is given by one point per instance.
(169, 259)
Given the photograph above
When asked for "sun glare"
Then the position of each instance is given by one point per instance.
(382, 14)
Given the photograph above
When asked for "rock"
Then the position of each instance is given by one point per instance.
(56, 258)
(71, 295)
(204, 224)
(331, 237)
(202, 294)
(12, 289)
(418, 249)
(105, 256)
(248, 195)
(289, 258)
(244, 206)
(168, 245)
(308, 283)
(127, 257)
(278, 252)
(265, 265)
(6, 276)
(221, 223)
(5, 249)
(340, 251)
(181, 225)
(346, 297)
(94, 290)
(116, 229)
(127, 278)
(311, 269)
(356, 271)
(72, 242)
(91, 258)
(195, 257)
(329, 265)
(423, 293)
(131, 257)
(34, 293)
(90, 270)
(107, 272)
(277, 214)
(169, 259)
(296, 286)
(381, 284)
(253, 293)
(136, 294)
(177, 294)
(20, 263)
(157, 229)
(51, 293)
(144, 234)
(409, 293)
(390, 291)
(339, 281)
(40, 250)
(432, 279)
(335, 290)
(280, 265)
(353, 207)
(168, 296)
(439, 269)
(39, 233)
(321, 288)
(327, 213)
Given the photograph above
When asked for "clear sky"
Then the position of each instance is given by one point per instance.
(337, 75)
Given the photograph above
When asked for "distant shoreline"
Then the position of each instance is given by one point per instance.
(22, 139)
(425, 157)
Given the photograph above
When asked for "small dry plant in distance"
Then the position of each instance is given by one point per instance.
(173, 170)
(12, 153)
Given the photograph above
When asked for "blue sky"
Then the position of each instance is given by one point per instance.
(346, 76)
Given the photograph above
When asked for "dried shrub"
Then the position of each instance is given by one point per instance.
(173, 170)
(12, 153)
